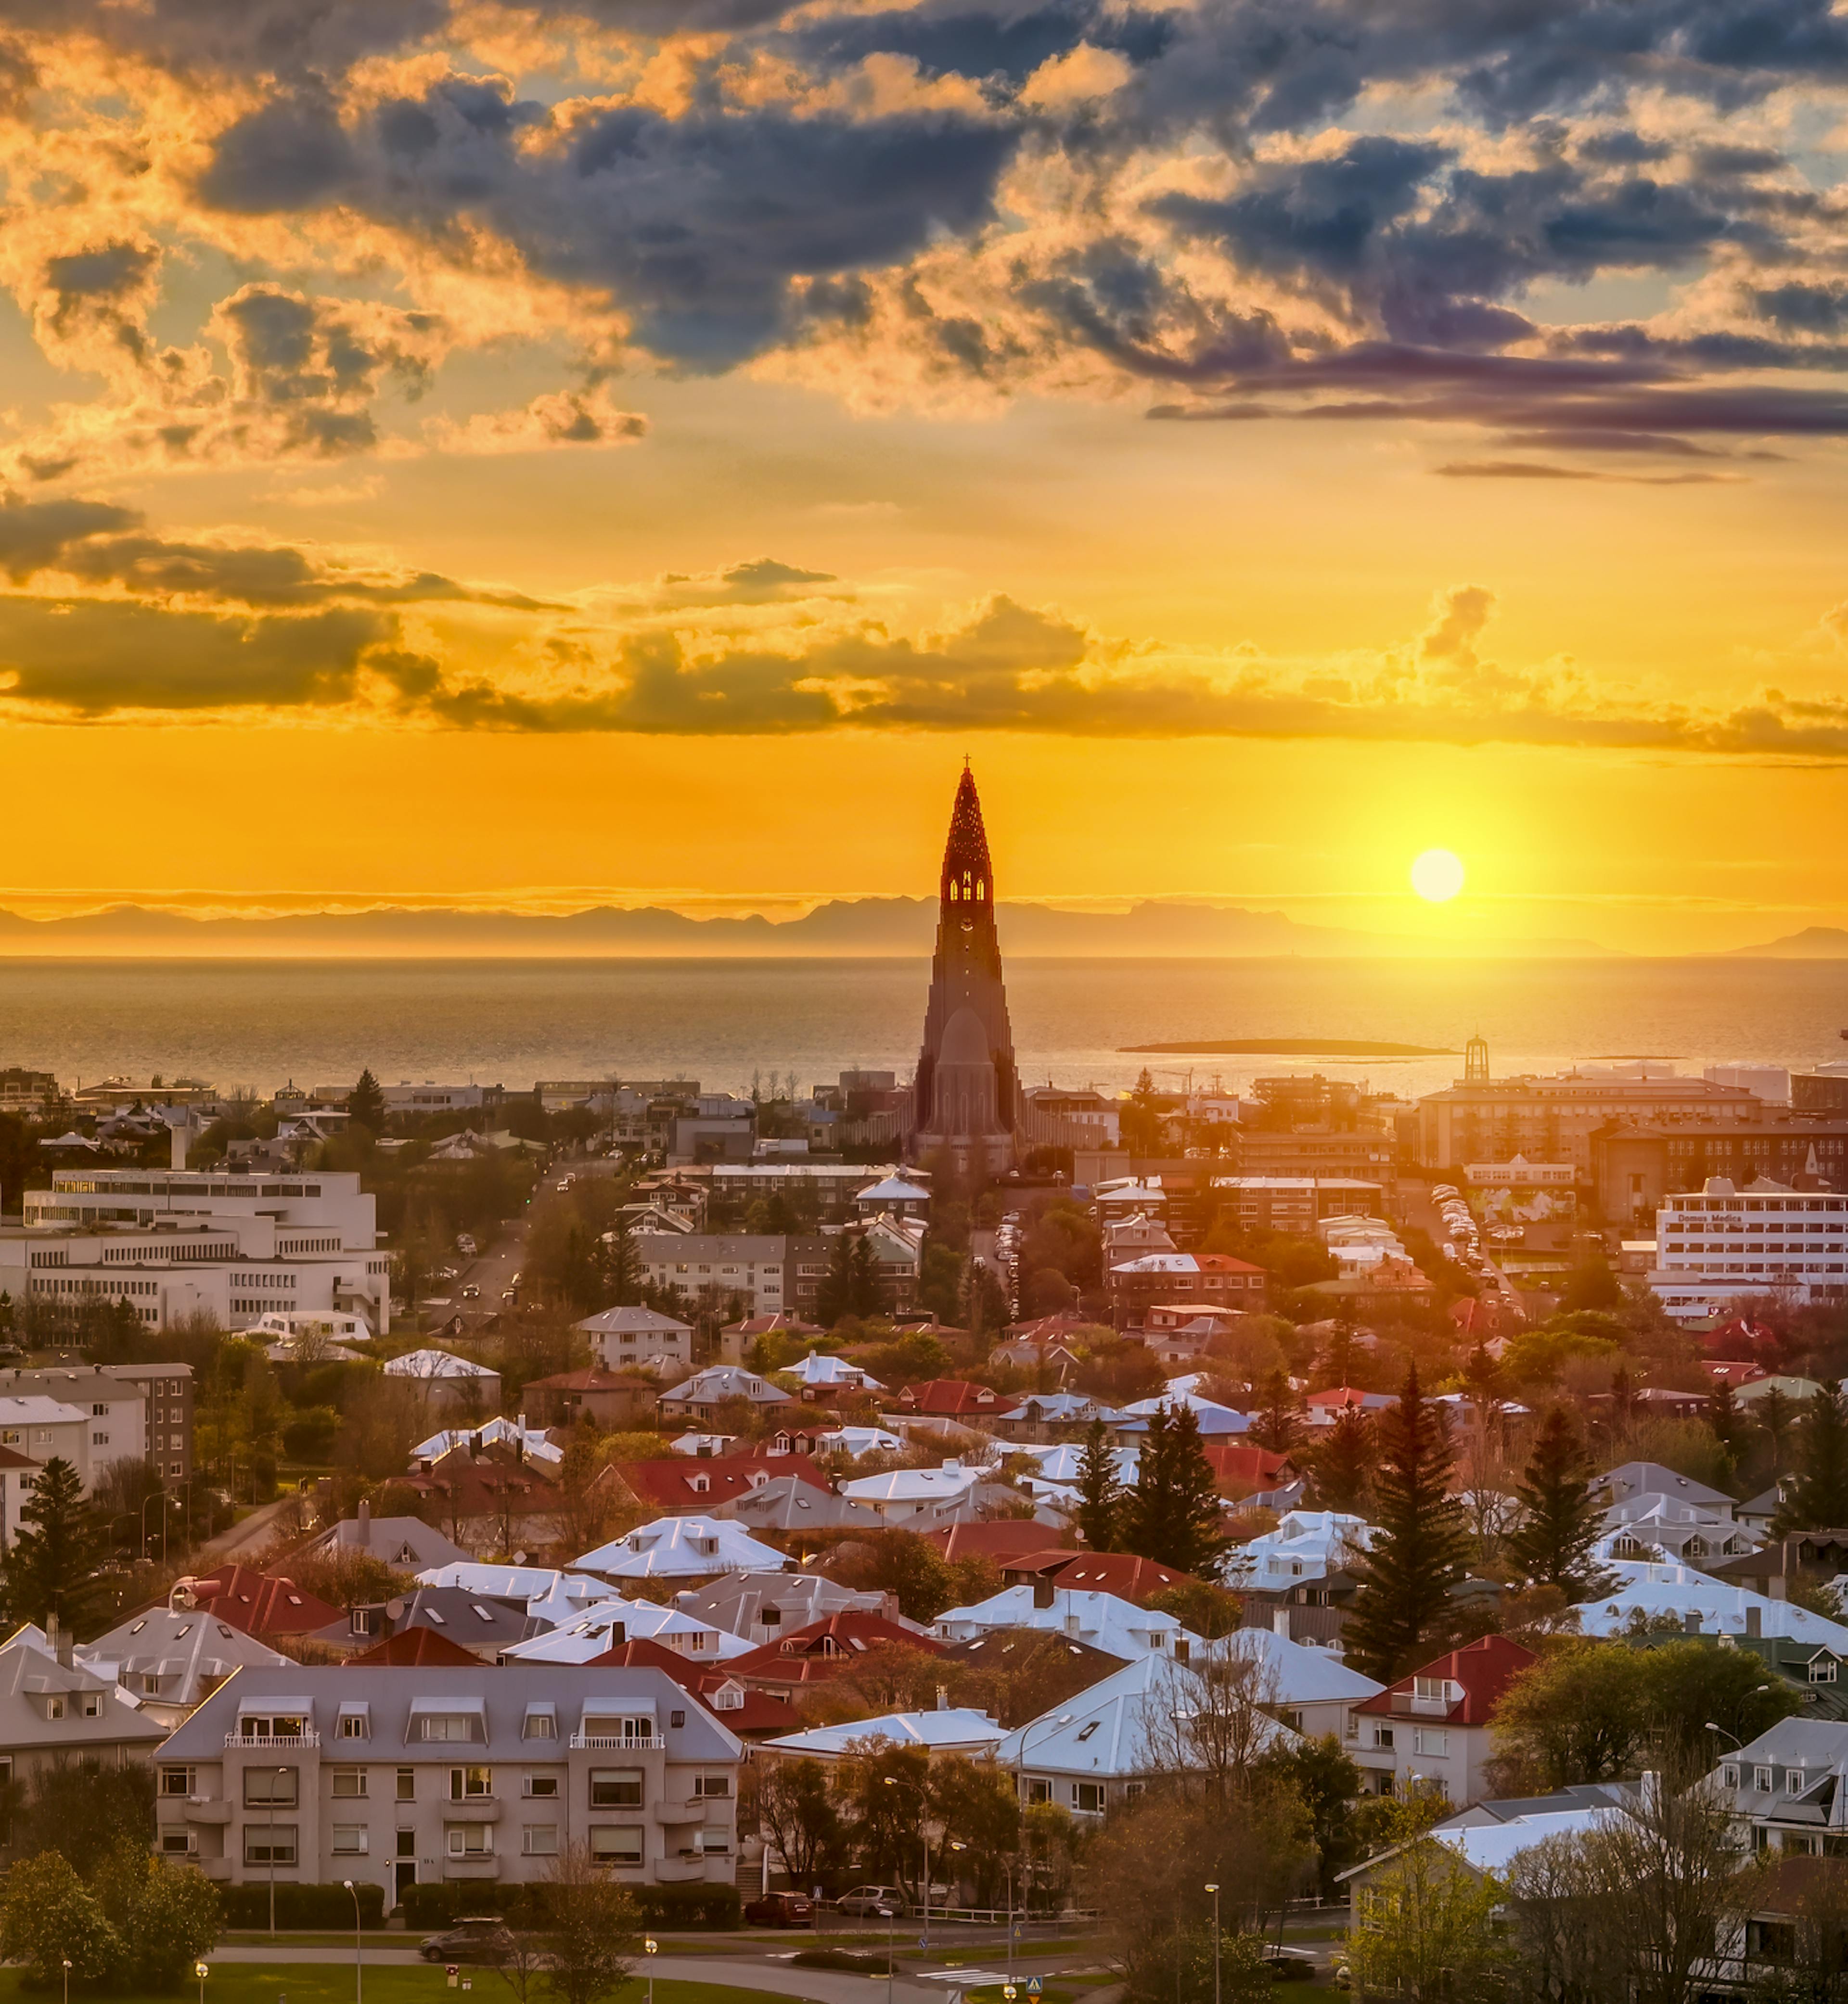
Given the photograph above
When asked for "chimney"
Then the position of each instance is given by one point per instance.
(1754, 1623)
(1778, 1586)
(1280, 1622)
(943, 1698)
(61, 1640)
(1690, 1622)
(365, 1536)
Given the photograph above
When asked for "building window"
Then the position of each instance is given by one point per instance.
(539, 1725)
(617, 1844)
(540, 1840)
(1087, 1797)
(1383, 1735)
(458, 1725)
(1822, 1669)
(353, 1723)
(269, 1788)
(349, 1840)
(467, 1783)
(541, 1786)
(1038, 1791)
(1425, 1740)
(470, 1840)
(350, 1781)
(269, 1844)
(176, 1843)
(407, 1785)
(1729, 1775)
(177, 1781)
(713, 1788)
(1762, 1780)
(615, 1789)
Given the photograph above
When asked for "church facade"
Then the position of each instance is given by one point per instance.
(965, 1100)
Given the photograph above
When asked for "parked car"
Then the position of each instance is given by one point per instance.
(864, 1901)
(483, 1938)
(781, 1910)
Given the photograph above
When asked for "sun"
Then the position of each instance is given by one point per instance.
(1437, 875)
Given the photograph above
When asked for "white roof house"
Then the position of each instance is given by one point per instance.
(1662, 1529)
(1059, 1462)
(854, 1441)
(1104, 1621)
(448, 1381)
(550, 1596)
(533, 1441)
(168, 1660)
(1702, 1605)
(683, 1548)
(1635, 1478)
(701, 1394)
(1306, 1545)
(1494, 1847)
(1213, 1418)
(608, 1623)
(1085, 1754)
(950, 1729)
(817, 1368)
(901, 1494)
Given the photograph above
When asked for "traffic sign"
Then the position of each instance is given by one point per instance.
(1034, 1986)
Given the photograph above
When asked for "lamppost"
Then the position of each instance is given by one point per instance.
(66, 1980)
(1214, 1890)
(1721, 1730)
(198, 1969)
(359, 1967)
(159, 1496)
(651, 1944)
(279, 1772)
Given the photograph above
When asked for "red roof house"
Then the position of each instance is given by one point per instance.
(1001, 1539)
(1434, 1724)
(418, 1646)
(954, 1399)
(751, 1714)
(1122, 1574)
(827, 1647)
(259, 1603)
(1240, 1469)
(690, 1485)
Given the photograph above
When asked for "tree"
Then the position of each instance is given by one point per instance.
(1326, 1783)
(87, 1812)
(1592, 1285)
(591, 1930)
(166, 1916)
(1816, 1498)
(1580, 1714)
(833, 1298)
(799, 1816)
(365, 1105)
(51, 1567)
(1776, 1415)
(1279, 1413)
(979, 1807)
(1728, 1423)
(1418, 1553)
(1142, 1120)
(1173, 1516)
(1427, 1930)
(863, 1279)
(1690, 1684)
(1561, 1520)
(1101, 1496)
(51, 1918)
(1342, 1470)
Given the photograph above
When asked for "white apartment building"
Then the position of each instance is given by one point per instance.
(391, 1778)
(175, 1243)
(90, 1434)
(1721, 1243)
(166, 1391)
(716, 1266)
(430, 1097)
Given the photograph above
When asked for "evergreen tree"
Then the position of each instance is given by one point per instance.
(622, 1267)
(365, 1105)
(1727, 1420)
(834, 1298)
(50, 1568)
(1560, 1518)
(1342, 1472)
(1277, 1414)
(1816, 1497)
(1173, 1516)
(1102, 1498)
(863, 1279)
(1776, 1412)
(1418, 1552)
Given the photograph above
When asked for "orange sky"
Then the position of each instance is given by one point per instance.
(1262, 487)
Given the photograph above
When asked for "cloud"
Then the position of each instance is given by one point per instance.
(555, 418)
(1532, 469)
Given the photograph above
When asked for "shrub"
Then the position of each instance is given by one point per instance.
(314, 1906)
(165, 1915)
(51, 1916)
(433, 1907)
(839, 1958)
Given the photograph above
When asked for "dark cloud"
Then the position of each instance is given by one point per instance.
(1531, 469)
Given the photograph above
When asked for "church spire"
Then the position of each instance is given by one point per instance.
(968, 876)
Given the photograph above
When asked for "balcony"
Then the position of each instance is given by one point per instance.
(471, 1809)
(677, 1871)
(615, 1743)
(672, 1814)
(471, 1868)
(1405, 1706)
(203, 1808)
(273, 1742)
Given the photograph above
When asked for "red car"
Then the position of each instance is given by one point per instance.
(781, 1910)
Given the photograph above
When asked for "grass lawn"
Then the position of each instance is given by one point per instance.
(332, 1983)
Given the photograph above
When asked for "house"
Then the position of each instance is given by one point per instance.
(1663, 1529)
(1636, 1478)
(854, 1442)
(1099, 1749)
(790, 1505)
(1813, 1672)
(1822, 1556)
(763, 1607)
(1239, 1469)
(1789, 1787)
(700, 1396)
(737, 1338)
(608, 1400)
(682, 1548)
(411, 1649)
(1480, 1849)
(752, 1716)
(949, 1730)
(1307, 1546)
(897, 1196)
(169, 1659)
(406, 1544)
(445, 1382)
(819, 1372)
(1116, 1625)
(902, 1494)
(825, 1648)
(478, 1623)
(317, 1775)
(493, 1500)
(1216, 1277)
(1434, 1722)
(1702, 1605)
(530, 1443)
(1048, 1416)
(18, 1473)
(952, 1399)
(608, 1624)
(691, 1486)
(1324, 1408)
(1122, 1574)
(628, 1339)
(1000, 1539)
(1215, 1422)
(260, 1604)
(55, 1709)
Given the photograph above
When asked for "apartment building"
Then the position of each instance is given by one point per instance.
(771, 1272)
(88, 1435)
(1635, 1168)
(177, 1243)
(105, 1391)
(476, 1774)
(829, 1187)
(1553, 1119)
(1298, 1203)
(1722, 1243)
(1365, 1156)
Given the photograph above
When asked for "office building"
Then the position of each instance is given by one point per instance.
(1723, 1243)
(1553, 1120)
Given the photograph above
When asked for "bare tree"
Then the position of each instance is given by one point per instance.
(591, 1928)
(1209, 1717)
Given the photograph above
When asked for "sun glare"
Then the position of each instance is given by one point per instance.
(1437, 875)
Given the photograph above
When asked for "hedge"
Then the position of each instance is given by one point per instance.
(313, 1906)
(438, 1906)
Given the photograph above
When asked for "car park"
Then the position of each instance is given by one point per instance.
(482, 1937)
(781, 1910)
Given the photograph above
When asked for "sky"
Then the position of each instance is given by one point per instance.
(534, 454)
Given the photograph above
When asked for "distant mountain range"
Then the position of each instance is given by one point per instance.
(845, 927)
(1813, 943)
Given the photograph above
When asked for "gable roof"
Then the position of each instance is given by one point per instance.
(1000, 1539)
(740, 1709)
(827, 1647)
(952, 1729)
(788, 1503)
(187, 1651)
(700, 1483)
(1481, 1670)
(410, 1646)
(681, 1547)
(28, 1671)
(1123, 1574)
(260, 1603)
(951, 1396)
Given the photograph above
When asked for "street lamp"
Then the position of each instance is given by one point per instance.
(651, 1944)
(66, 1980)
(358, 1967)
(1214, 1890)
(198, 1969)
(1724, 1735)
(279, 1772)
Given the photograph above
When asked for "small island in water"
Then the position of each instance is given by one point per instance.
(1291, 1047)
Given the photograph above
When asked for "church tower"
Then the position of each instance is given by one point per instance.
(966, 1101)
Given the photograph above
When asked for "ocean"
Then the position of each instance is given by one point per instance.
(259, 1024)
